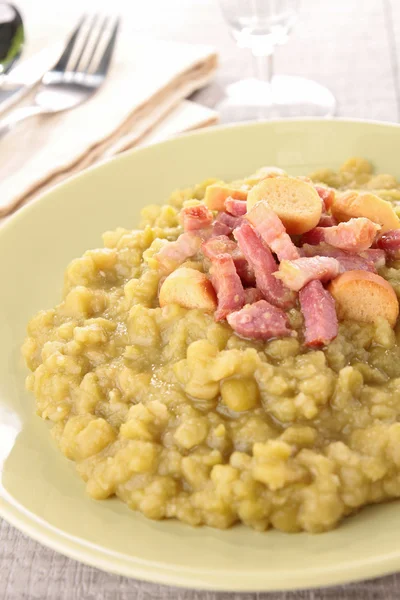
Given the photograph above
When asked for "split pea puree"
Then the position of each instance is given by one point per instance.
(181, 418)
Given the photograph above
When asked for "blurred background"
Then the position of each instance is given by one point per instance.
(348, 45)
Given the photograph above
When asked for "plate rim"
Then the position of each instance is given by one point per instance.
(188, 577)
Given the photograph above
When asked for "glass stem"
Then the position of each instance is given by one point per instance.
(265, 67)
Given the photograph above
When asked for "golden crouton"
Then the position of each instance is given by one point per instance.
(296, 202)
(364, 296)
(355, 204)
(188, 288)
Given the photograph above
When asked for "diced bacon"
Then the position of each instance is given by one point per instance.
(252, 295)
(375, 255)
(196, 217)
(261, 321)
(390, 243)
(227, 284)
(284, 248)
(353, 262)
(327, 196)
(320, 319)
(322, 250)
(327, 221)
(314, 236)
(295, 274)
(237, 208)
(175, 253)
(266, 222)
(354, 235)
(244, 270)
(261, 260)
(219, 228)
(228, 220)
(347, 261)
(272, 231)
(223, 245)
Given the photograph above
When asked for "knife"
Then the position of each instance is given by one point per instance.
(16, 85)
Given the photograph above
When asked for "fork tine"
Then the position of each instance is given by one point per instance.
(105, 59)
(62, 62)
(96, 43)
(91, 26)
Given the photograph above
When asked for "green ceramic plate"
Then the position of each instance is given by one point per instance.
(41, 494)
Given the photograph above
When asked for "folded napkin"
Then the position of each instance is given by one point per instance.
(141, 101)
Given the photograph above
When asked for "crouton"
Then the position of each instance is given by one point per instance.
(364, 296)
(363, 204)
(296, 202)
(188, 288)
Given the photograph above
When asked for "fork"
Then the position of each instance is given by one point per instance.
(78, 74)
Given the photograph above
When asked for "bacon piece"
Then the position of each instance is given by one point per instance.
(252, 295)
(347, 261)
(327, 221)
(228, 220)
(261, 260)
(353, 262)
(320, 319)
(196, 217)
(227, 284)
(175, 253)
(354, 235)
(314, 236)
(219, 228)
(272, 231)
(237, 208)
(390, 243)
(322, 250)
(261, 321)
(223, 245)
(375, 255)
(327, 196)
(295, 274)
(284, 248)
(243, 269)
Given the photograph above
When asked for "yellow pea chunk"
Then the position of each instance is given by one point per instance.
(240, 394)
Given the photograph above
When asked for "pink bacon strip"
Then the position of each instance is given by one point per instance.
(196, 217)
(389, 242)
(295, 274)
(261, 321)
(272, 231)
(175, 253)
(354, 235)
(227, 284)
(237, 208)
(320, 319)
(261, 260)
(347, 261)
(223, 245)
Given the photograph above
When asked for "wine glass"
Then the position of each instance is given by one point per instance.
(261, 25)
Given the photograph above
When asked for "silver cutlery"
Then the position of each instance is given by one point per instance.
(78, 74)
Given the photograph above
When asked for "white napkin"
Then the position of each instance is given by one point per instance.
(146, 84)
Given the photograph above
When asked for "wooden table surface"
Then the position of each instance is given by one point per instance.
(353, 47)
